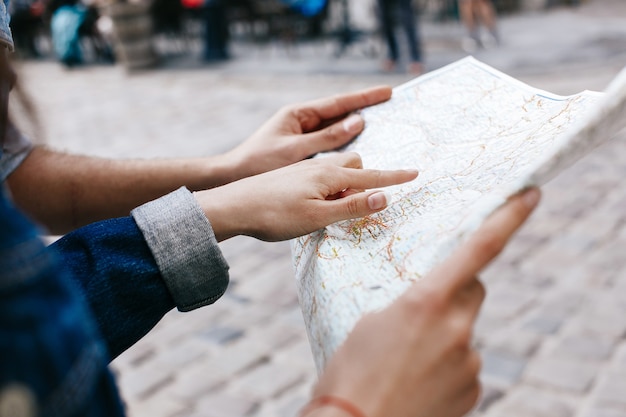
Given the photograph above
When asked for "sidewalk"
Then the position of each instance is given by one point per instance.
(552, 332)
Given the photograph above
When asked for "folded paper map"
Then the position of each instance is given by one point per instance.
(477, 136)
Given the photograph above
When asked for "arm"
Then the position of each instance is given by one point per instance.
(133, 272)
(415, 357)
(64, 191)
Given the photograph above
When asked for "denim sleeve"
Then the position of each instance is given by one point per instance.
(113, 266)
(184, 246)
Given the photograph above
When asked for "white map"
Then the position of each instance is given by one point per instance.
(477, 136)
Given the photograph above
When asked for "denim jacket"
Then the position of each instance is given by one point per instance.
(67, 309)
(52, 358)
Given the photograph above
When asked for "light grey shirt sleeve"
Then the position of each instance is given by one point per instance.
(15, 149)
(185, 249)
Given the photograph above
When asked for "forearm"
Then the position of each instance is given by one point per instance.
(64, 192)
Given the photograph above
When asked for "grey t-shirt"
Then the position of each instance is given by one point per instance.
(15, 149)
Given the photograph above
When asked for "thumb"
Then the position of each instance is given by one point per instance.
(334, 136)
(359, 204)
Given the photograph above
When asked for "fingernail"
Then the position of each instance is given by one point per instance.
(378, 200)
(531, 197)
(353, 123)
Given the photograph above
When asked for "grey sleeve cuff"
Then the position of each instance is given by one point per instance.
(15, 149)
(185, 249)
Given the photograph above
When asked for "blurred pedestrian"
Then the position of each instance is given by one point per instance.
(215, 31)
(391, 11)
(26, 25)
(476, 14)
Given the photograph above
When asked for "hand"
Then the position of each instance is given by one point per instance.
(299, 131)
(414, 358)
(298, 199)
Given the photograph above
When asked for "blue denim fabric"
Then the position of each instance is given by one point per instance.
(52, 360)
(119, 279)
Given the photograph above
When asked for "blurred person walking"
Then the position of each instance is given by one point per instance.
(215, 31)
(474, 15)
(389, 10)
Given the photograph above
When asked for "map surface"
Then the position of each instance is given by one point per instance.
(477, 136)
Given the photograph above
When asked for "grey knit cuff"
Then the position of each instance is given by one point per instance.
(184, 246)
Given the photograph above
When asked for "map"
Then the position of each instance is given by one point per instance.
(477, 136)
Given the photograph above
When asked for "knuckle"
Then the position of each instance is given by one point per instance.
(473, 395)
(424, 300)
(460, 335)
(352, 207)
(474, 363)
(354, 158)
(288, 110)
(481, 290)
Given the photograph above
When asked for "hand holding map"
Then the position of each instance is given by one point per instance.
(415, 357)
(477, 136)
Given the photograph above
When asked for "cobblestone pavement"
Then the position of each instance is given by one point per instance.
(552, 330)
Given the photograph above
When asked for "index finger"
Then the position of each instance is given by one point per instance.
(486, 243)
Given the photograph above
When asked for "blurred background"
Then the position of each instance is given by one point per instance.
(167, 78)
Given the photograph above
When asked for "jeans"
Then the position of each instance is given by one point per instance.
(408, 22)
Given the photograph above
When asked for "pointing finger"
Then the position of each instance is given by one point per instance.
(486, 243)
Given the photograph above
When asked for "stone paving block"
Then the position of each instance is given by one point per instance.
(618, 362)
(239, 356)
(290, 406)
(563, 302)
(196, 381)
(276, 334)
(157, 405)
(486, 326)
(569, 375)
(515, 342)
(568, 204)
(590, 324)
(269, 380)
(135, 356)
(222, 335)
(603, 412)
(583, 347)
(298, 353)
(506, 301)
(528, 401)
(266, 282)
(225, 404)
(557, 257)
(542, 324)
(610, 391)
(500, 370)
(187, 352)
(488, 396)
(596, 226)
(289, 403)
(170, 332)
(251, 314)
(141, 382)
